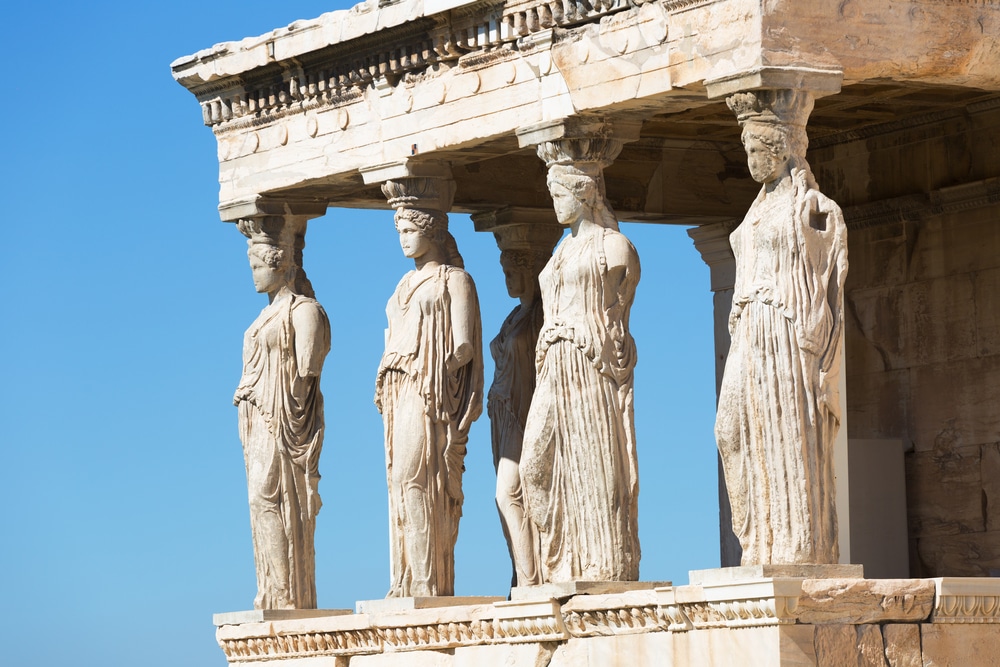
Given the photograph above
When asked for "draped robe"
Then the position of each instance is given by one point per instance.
(281, 428)
(578, 462)
(779, 404)
(508, 402)
(427, 412)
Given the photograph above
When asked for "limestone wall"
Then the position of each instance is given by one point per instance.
(923, 336)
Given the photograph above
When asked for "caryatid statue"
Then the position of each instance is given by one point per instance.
(578, 461)
(281, 414)
(779, 406)
(524, 251)
(429, 390)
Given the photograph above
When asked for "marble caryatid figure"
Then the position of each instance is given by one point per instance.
(281, 415)
(578, 461)
(429, 390)
(779, 407)
(524, 251)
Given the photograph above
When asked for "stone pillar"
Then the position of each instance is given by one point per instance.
(429, 383)
(779, 407)
(281, 421)
(526, 239)
(712, 241)
(578, 465)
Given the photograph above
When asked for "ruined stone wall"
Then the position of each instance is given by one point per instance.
(923, 331)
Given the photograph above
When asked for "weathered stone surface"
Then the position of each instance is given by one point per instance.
(956, 400)
(875, 330)
(959, 555)
(986, 300)
(836, 645)
(959, 645)
(779, 405)
(943, 489)
(989, 463)
(878, 405)
(280, 407)
(902, 645)
(429, 389)
(860, 601)
(849, 646)
(882, 257)
(954, 243)
(578, 468)
(937, 326)
(403, 604)
(744, 573)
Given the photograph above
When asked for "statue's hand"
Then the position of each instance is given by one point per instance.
(242, 394)
(461, 356)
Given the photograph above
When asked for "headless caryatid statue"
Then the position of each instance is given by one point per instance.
(429, 391)
(779, 406)
(281, 415)
(578, 462)
(524, 251)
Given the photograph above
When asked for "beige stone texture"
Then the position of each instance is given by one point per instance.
(902, 645)
(849, 646)
(860, 601)
(959, 645)
(389, 605)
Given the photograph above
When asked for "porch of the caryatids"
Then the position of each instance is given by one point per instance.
(280, 406)
(429, 386)
(578, 467)
(779, 404)
(525, 239)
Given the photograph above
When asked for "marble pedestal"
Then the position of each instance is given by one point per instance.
(726, 619)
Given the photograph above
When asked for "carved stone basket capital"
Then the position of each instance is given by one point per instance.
(420, 192)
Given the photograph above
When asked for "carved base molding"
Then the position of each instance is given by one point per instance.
(707, 623)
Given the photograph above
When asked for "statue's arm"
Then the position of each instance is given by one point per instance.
(623, 269)
(464, 313)
(312, 337)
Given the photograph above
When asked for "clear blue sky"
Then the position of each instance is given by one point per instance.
(126, 522)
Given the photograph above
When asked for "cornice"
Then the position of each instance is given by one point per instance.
(916, 208)
(470, 36)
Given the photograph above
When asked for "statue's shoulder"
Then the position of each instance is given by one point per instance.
(619, 250)
(457, 276)
(305, 306)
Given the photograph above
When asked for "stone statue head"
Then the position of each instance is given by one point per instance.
(275, 253)
(424, 230)
(578, 194)
(272, 267)
(774, 130)
(521, 269)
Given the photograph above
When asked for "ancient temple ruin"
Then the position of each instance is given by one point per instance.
(415, 98)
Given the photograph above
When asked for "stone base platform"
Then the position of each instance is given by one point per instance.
(766, 621)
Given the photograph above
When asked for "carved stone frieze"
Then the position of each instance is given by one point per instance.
(762, 602)
(301, 645)
(437, 636)
(966, 600)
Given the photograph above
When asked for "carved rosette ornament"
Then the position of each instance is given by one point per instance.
(779, 405)
(428, 388)
(578, 462)
(281, 413)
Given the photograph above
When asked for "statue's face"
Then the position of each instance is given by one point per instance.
(765, 166)
(517, 281)
(266, 278)
(568, 208)
(412, 240)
